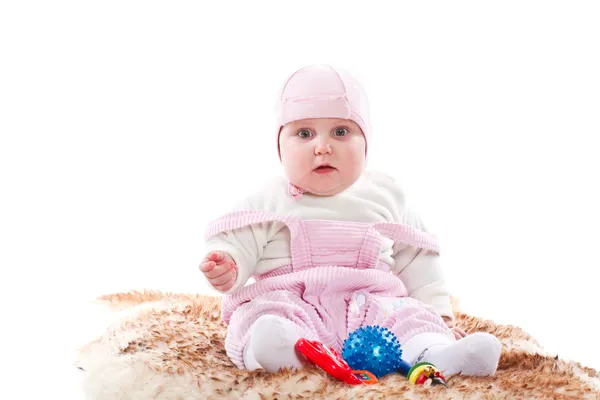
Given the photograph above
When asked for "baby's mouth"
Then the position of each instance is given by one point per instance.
(323, 169)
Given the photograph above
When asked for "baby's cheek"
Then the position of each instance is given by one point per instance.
(297, 160)
(353, 160)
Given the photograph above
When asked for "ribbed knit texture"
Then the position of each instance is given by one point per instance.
(332, 263)
(316, 299)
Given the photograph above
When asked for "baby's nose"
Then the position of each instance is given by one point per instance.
(323, 148)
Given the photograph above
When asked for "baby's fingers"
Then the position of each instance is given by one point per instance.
(207, 266)
(218, 270)
(227, 284)
(460, 331)
(223, 278)
(217, 256)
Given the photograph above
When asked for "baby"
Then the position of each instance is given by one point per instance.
(332, 247)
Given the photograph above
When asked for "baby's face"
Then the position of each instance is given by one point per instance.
(323, 156)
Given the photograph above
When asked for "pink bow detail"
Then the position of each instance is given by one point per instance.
(295, 191)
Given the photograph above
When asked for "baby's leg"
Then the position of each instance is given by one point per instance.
(272, 344)
(263, 333)
(424, 336)
(476, 354)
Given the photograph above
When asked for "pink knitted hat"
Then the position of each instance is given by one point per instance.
(320, 91)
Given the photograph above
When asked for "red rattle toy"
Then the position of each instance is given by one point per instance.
(330, 361)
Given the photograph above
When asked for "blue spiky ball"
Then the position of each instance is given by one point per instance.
(374, 349)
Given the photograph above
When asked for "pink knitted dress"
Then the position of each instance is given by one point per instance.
(334, 285)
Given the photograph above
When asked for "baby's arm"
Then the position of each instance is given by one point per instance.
(419, 269)
(421, 272)
(246, 245)
(235, 254)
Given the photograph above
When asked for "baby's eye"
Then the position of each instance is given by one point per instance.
(340, 132)
(304, 133)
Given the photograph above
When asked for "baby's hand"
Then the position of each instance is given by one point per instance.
(220, 270)
(458, 332)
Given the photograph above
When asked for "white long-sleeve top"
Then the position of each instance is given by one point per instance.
(375, 197)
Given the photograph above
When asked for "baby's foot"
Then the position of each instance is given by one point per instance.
(474, 355)
(272, 345)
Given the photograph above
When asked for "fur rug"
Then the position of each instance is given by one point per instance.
(170, 346)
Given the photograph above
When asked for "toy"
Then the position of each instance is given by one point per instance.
(377, 349)
(330, 361)
(368, 353)
(425, 373)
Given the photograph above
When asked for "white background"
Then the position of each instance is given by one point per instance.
(126, 126)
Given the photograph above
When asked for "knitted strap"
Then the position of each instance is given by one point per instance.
(239, 219)
(371, 250)
(409, 235)
(301, 255)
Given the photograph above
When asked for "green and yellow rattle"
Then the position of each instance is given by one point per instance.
(425, 374)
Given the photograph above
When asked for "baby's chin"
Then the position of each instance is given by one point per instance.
(323, 183)
(330, 188)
